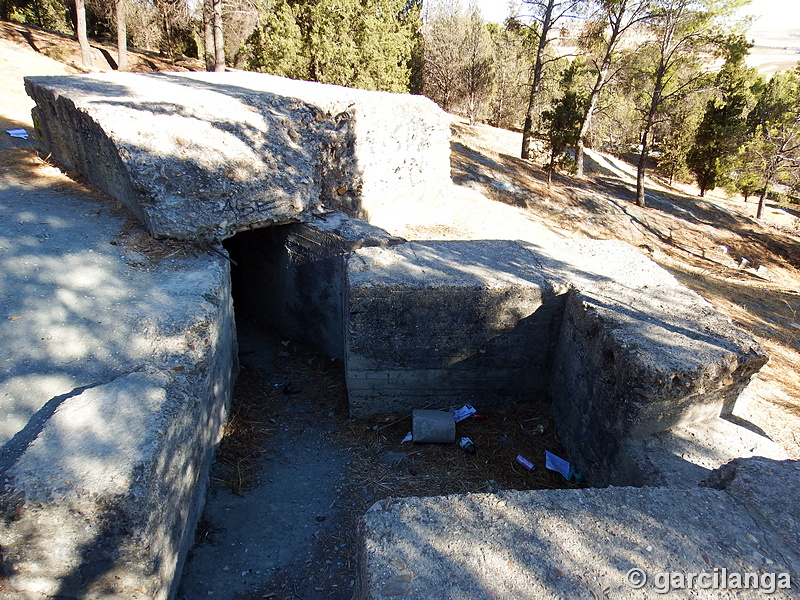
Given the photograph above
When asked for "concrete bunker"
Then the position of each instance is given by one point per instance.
(494, 323)
(623, 349)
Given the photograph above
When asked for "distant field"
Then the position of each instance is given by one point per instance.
(774, 50)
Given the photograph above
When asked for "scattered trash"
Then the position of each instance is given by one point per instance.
(467, 445)
(18, 133)
(286, 342)
(433, 426)
(525, 463)
(408, 438)
(480, 417)
(462, 413)
(559, 465)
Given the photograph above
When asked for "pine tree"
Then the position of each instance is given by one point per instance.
(774, 151)
(546, 15)
(680, 30)
(513, 47)
(605, 31)
(563, 120)
(358, 43)
(724, 125)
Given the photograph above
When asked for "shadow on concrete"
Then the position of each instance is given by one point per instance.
(82, 306)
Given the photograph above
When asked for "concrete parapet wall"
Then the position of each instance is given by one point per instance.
(205, 155)
(433, 323)
(623, 349)
(555, 544)
(103, 488)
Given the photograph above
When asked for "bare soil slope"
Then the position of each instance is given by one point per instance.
(748, 269)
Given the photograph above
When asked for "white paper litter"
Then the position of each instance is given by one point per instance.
(18, 133)
(462, 413)
(408, 438)
(559, 465)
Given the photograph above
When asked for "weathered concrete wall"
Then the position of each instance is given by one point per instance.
(117, 379)
(623, 349)
(291, 278)
(440, 323)
(204, 155)
(554, 544)
(638, 353)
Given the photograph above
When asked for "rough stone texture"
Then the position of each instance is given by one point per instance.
(478, 322)
(684, 456)
(768, 490)
(444, 323)
(291, 278)
(117, 373)
(205, 155)
(566, 544)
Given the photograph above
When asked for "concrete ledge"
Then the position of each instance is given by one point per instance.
(233, 151)
(554, 544)
(439, 323)
(686, 455)
(118, 369)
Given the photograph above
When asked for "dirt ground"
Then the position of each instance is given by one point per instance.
(294, 474)
(749, 270)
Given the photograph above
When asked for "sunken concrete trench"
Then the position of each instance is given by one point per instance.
(641, 371)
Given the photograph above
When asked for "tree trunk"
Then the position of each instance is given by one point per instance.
(587, 121)
(599, 83)
(762, 201)
(80, 30)
(122, 36)
(219, 41)
(536, 84)
(208, 34)
(641, 167)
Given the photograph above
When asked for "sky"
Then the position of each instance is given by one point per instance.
(772, 14)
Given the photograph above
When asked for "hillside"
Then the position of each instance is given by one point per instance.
(749, 270)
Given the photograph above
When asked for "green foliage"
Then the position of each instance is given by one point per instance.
(358, 43)
(563, 120)
(676, 135)
(724, 125)
(276, 46)
(773, 153)
(47, 14)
